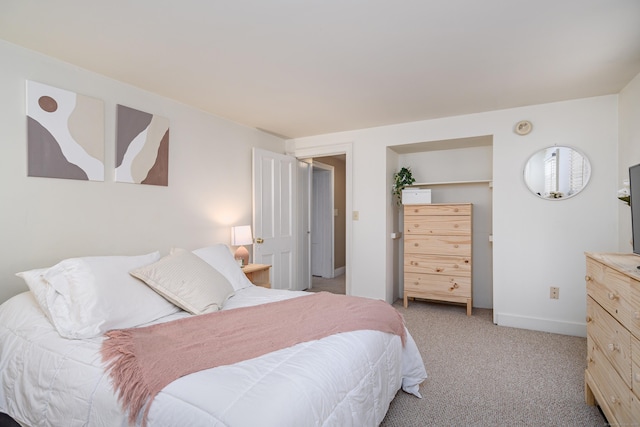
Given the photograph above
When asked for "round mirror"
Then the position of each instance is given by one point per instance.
(557, 173)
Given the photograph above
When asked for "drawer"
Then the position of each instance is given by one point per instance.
(441, 245)
(635, 409)
(612, 338)
(634, 299)
(437, 225)
(615, 394)
(612, 290)
(438, 264)
(635, 366)
(434, 209)
(438, 285)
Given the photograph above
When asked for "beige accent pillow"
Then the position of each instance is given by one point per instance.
(187, 281)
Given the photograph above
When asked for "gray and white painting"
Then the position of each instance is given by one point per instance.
(142, 147)
(65, 134)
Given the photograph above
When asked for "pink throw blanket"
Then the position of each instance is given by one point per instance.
(142, 361)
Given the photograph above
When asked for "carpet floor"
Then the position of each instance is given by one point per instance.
(481, 374)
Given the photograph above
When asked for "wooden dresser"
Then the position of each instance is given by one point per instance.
(437, 253)
(612, 377)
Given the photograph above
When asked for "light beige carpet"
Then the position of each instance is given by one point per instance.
(481, 374)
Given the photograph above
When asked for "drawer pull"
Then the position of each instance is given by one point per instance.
(455, 286)
(589, 319)
(455, 246)
(614, 400)
(636, 315)
(613, 295)
(587, 278)
(636, 378)
(613, 347)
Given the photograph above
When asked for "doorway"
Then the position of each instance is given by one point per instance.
(328, 224)
(345, 152)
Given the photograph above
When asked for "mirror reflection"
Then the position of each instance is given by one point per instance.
(557, 173)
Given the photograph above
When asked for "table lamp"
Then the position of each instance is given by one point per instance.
(241, 235)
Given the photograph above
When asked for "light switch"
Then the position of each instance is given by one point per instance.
(335, 212)
(356, 215)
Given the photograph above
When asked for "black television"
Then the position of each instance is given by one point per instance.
(634, 189)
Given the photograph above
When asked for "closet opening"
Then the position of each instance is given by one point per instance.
(457, 171)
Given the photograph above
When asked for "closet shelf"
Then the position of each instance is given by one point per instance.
(427, 184)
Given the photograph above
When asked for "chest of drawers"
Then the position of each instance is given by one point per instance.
(612, 377)
(437, 253)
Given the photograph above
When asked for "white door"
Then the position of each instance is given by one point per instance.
(322, 221)
(303, 216)
(274, 216)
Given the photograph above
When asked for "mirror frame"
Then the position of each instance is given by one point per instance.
(541, 157)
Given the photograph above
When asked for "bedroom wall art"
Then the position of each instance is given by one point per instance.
(65, 134)
(142, 147)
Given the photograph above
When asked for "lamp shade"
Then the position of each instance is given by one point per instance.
(241, 235)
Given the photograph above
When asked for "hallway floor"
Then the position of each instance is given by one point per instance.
(335, 286)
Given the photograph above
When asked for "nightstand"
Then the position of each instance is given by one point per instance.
(258, 274)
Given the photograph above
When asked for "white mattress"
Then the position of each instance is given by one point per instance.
(343, 380)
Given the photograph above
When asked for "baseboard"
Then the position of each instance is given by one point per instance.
(339, 271)
(537, 324)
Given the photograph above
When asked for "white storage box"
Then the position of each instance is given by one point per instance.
(416, 196)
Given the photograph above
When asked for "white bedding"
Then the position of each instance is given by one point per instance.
(343, 380)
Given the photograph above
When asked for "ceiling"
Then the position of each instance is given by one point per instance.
(298, 68)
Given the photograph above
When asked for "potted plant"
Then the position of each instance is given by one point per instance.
(401, 179)
(624, 194)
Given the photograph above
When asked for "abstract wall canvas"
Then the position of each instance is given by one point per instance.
(65, 134)
(142, 147)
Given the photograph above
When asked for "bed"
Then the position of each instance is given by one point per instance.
(49, 379)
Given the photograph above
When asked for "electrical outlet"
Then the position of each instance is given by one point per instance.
(554, 293)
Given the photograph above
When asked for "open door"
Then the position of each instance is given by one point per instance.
(322, 220)
(303, 216)
(275, 218)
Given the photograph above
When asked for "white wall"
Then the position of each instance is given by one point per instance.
(629, 152)
(45, 220)
(537, 243)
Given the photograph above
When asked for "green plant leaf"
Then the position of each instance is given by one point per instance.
(401, 179)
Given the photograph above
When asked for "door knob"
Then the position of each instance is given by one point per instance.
(259, 240)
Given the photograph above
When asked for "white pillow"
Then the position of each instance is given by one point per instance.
(220, 257)
(38, 287)
(85, 297)
(187, 281)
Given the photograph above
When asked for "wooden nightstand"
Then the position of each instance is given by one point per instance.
(258, 274)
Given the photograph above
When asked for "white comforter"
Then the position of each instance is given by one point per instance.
(343, 380)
